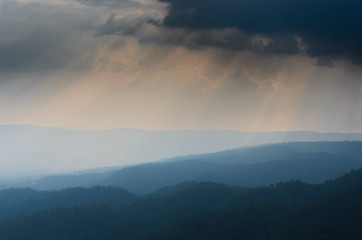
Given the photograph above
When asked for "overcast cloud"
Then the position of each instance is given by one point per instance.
(39, 36)
(329, 28)
(174, 64)
(42, 37)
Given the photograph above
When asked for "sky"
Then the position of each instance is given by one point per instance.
(247, 65)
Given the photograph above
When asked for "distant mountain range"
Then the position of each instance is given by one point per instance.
(313, 162)
(29, 150)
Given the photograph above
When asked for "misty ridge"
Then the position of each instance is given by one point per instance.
(27, 150)
(215, 185)
(313, 162)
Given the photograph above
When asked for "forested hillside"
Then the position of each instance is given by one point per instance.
(21, 201)
(290, 210)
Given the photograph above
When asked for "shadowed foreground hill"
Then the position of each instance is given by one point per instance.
(335, 213)
(21, 201)
(291, 210)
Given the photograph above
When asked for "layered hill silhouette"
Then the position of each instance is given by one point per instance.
(312, 162)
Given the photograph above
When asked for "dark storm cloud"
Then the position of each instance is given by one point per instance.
(330, 28)
(147, 29)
